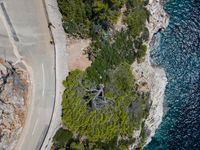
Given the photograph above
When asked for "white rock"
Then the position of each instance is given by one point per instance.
(154, 76)
(11, 105)
(3, 69)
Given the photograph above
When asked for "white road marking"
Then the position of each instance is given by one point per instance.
(35, 126)
(43, 80)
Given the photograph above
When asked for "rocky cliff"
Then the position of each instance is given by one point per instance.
(154, 76)
(13, 95)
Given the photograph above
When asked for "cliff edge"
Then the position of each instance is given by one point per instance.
(154, 76)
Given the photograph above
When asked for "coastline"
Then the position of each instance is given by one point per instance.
(144, 72)
(154, 76)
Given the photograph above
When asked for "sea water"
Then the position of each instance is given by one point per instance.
(178, 53)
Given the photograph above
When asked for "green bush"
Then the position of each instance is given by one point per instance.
(145, 35)
(142, 51)
(121, 80)
(61, 139)
(76, 146)
(75, 20)
(136, 21)
(110, 55)
(78, 15)
(107, 11)
(135, 3)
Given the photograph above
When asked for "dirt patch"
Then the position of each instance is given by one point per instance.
(77, 58)
(120, 21)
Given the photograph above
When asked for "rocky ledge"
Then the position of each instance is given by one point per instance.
(13, 95)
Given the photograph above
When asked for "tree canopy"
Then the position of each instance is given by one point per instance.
(102, 106)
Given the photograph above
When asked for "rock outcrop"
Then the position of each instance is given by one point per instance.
(13, 95)
(152, 75)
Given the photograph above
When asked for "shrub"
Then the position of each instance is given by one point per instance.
(75, 21)
(145, 34)
(76, 146)
(136, 21)
(142, 51)
(61, 138)
(110, 55)
(121, 80)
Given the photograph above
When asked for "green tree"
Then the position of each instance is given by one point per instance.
(142, 51)
(61, 138)
(119, 108)
(74, 17)
(136, 21)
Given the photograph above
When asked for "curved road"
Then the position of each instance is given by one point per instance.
(27, 27)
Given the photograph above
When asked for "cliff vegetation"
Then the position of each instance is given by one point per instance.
(102, 105)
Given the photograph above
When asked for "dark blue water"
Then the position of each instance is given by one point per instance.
(179, 54)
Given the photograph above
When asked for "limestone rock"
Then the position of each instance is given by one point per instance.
(154, 76)
(13, 93)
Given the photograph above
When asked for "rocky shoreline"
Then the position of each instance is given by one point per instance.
(144, 72)
(13, 103)
(154, 76)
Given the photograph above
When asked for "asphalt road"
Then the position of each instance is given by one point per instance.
(27, 27)
(6, 49)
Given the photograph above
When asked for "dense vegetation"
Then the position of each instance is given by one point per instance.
(102, 106)
(63, 140)
(82, 17)
(79, 16)
(110, 52)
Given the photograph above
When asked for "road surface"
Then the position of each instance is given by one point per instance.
(26, 24)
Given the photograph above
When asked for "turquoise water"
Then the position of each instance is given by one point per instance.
(179, 54)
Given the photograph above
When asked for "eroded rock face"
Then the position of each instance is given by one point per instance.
(154, 76)
(13, 95)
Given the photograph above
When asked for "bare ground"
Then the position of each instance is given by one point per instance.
(77, 59)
